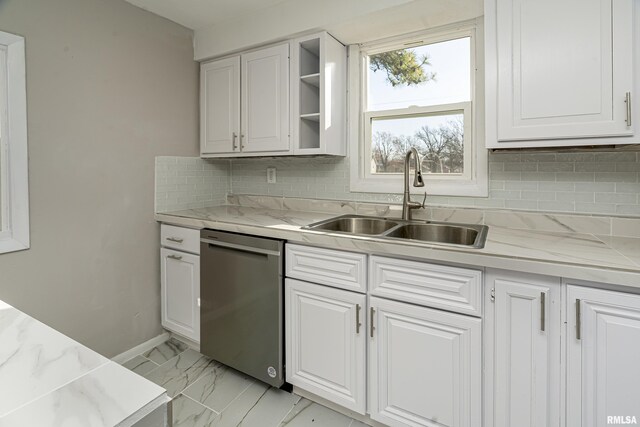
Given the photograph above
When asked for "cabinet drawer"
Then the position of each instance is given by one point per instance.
(181, 238)
(346, 270)
(438, 286)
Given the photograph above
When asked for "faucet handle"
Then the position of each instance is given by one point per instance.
(424, 200)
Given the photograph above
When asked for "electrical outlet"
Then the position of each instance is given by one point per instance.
(271, 175)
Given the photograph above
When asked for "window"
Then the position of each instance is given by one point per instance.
(14, 197)
(419, 91)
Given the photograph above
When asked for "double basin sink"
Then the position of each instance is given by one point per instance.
(465, 235)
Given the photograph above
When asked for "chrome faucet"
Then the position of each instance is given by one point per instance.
(407, 204)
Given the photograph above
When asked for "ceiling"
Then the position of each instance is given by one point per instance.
(196, 14)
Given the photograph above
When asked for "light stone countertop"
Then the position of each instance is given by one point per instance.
(48, 379)
(580, 256)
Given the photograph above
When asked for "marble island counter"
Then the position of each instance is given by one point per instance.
(568, 253)
(47, 379)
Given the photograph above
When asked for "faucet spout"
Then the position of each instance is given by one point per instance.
(418, 181)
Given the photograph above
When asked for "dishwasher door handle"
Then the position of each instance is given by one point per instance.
(240, 247)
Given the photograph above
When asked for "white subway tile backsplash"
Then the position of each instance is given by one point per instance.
(190, 183)
(597, 208)
(556, 206)
(580, 182)
(616, 177)
(618, 198)
(528, 205)
(538, 195)
(557, 182)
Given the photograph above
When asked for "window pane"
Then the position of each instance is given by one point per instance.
(438, 138)
(434, 74)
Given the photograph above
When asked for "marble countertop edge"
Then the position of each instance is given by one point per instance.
(53, 390)
(583, 257)
(48, 379)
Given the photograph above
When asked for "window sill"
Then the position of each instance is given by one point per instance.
(9, 244)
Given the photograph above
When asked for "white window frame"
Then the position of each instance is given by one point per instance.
(14, 181)
(474, 180)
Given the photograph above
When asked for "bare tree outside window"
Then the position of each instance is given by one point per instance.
(438, 139)
(441, 148)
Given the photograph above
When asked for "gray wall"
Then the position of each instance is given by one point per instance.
(109, 87)
(591, 182)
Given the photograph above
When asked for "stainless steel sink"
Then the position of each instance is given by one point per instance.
(354, 224)
(442, 233)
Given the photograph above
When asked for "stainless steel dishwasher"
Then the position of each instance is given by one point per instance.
(241, 312)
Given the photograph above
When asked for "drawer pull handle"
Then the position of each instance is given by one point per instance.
(373, 311)
(627, 100)
(176, 257)
(578, 325)
(175, 239)
(543, 298)
(358, 324)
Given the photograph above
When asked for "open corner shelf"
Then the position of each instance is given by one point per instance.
(312, 79)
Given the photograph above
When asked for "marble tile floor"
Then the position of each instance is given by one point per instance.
(206, 393)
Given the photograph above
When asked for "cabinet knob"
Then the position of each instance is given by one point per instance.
(175, 239)
(176, 257)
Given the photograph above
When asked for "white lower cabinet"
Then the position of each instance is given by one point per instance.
(180, 281)
(326, 342)
(424, 366)
(524, 330)
(603, 351)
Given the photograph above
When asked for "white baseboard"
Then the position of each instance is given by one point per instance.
(139, 349)
(188, 341)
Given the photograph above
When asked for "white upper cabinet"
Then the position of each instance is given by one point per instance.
(282, 100)
(244, 104)
(220, 106)
(318, 87)
(265, 100)
(603, 351)
(559, 72)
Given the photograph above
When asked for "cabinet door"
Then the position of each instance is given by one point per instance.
(180, 293)
(325, 342)
(220, 106)
(604, 359)
(525, 325)
(265, 100)
(425, 366)
(563, 68)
